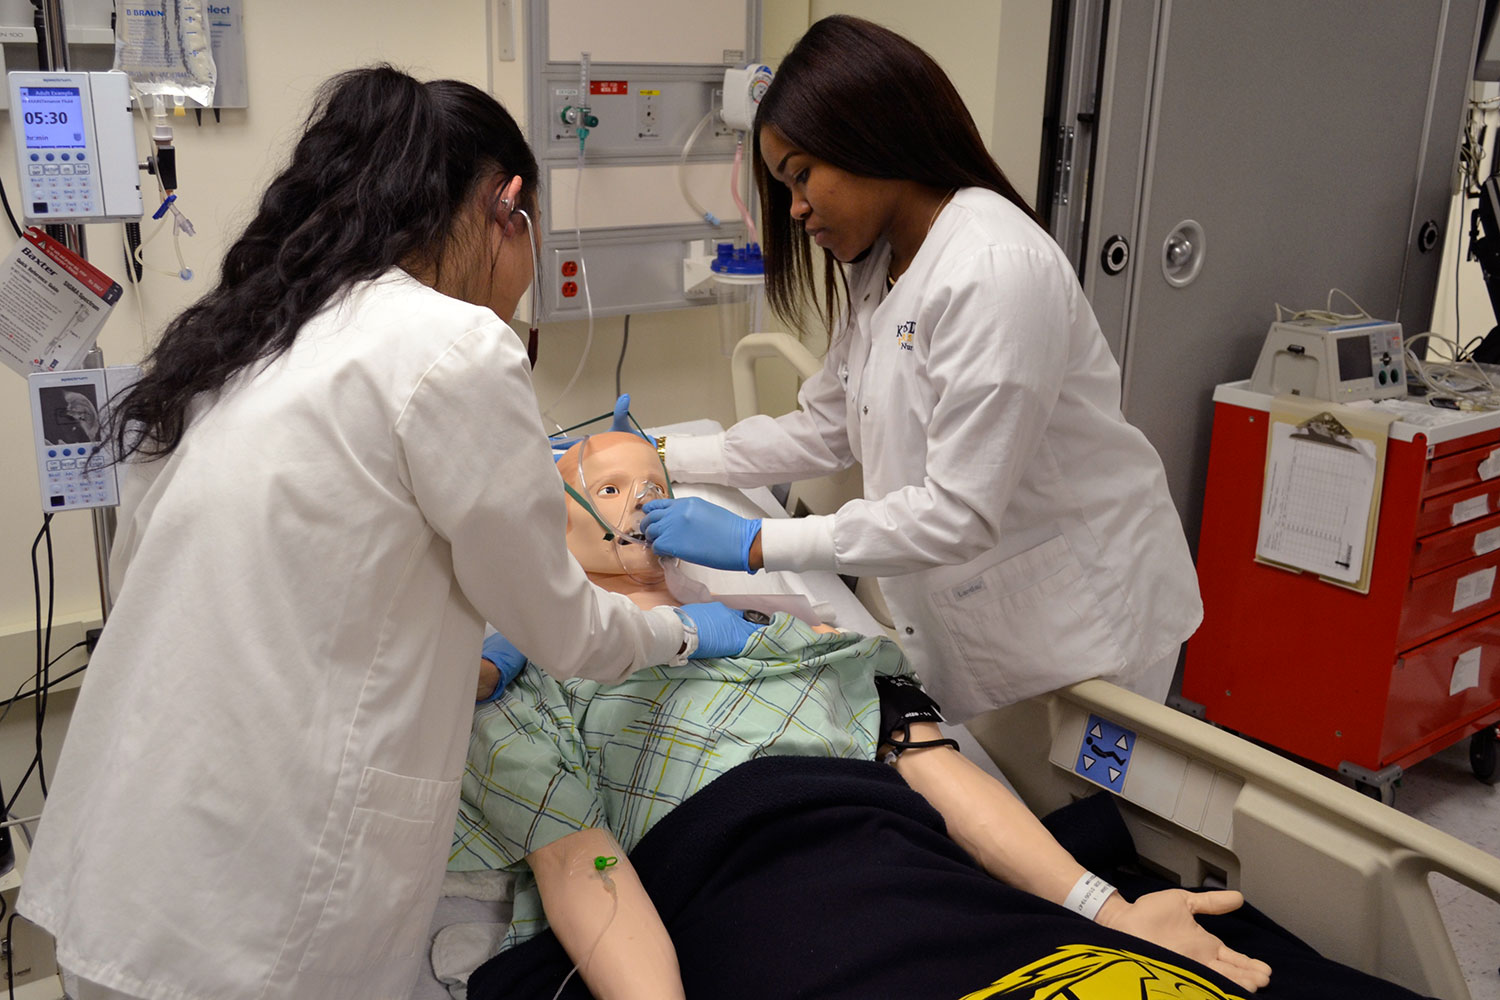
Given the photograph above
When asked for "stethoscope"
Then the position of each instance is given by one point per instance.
(536, 278)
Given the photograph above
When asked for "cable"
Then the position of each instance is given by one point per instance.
(624, 343)
(1464, 379)
(43, 646)
(8, 213)
(602, 865)
(134, 270)
(10, 976)
(1326, 315)
(751, 236)
(583, 279)
(20, 696)
(682, 180)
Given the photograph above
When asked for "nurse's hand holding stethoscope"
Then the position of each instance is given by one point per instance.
(697, 531)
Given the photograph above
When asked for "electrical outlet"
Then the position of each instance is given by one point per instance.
(648, 114)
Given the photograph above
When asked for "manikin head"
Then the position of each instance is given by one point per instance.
(616, 472)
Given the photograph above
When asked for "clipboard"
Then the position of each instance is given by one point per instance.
(1320, 503)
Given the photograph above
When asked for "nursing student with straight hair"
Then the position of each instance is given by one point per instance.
(336, 473)
(1021, 530)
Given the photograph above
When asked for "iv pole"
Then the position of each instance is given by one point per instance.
(52, 50)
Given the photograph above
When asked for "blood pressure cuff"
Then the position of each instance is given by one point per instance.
(902, 702)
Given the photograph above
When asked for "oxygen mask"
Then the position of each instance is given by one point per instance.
(617, 504)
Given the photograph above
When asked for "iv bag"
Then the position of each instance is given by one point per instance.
(165, 48)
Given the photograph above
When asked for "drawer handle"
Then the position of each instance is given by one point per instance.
(1490, 467)
(1487, 541)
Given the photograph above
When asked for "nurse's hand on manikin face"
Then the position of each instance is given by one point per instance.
(700, 532)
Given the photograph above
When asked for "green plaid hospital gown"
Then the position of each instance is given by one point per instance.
(550, 758)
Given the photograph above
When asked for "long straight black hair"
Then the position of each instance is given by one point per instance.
(380, 176)
(864, 99)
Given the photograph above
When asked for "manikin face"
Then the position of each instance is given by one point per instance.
(620, 472)
(844, 213)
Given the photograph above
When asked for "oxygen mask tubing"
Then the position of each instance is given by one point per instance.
(637, 559)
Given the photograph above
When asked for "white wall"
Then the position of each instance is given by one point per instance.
(994, 51)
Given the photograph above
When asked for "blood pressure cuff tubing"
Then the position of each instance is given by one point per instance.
(902, 702)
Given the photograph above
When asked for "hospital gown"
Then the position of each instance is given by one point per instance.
(550, 758)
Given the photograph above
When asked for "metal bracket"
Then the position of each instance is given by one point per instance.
(1063, 169)
(1383, 778)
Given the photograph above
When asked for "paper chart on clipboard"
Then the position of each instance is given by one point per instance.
(1320, 488)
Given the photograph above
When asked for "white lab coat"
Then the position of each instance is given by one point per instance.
(1021, 530)
(257, 792)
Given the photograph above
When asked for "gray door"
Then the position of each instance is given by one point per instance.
(1305, 145)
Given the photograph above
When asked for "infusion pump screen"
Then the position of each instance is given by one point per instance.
(53, 117)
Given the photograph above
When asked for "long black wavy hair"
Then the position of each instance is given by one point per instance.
(864, 99)
(380, 176)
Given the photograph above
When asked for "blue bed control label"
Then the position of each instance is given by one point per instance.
(1105, 755)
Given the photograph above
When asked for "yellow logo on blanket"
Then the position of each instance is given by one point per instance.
(1089, 972)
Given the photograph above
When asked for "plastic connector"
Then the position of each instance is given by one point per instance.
(91, 639)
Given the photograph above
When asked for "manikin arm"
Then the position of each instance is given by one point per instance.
(634, 959)
(999, 832)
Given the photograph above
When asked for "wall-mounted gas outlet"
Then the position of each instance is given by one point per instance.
(648, 114)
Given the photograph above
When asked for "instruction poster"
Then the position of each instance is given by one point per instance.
(52, 304)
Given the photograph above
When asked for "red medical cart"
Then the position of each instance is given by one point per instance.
(1367, 684)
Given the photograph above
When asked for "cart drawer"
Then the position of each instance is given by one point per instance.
(1465, 468)
(1445, 682)
(1449, 598)
(1439, 513)
(1447, 548)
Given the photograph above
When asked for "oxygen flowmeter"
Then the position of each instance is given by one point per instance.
(75, 147)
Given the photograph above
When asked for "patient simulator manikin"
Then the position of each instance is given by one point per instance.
(550, 734)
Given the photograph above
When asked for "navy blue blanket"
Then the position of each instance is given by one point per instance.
(794, 878)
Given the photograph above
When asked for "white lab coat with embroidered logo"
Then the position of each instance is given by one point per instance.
(1021, 530)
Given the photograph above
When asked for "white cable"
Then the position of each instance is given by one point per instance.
(1464, 380)
(135, 287)
(614, 906)
(1326, 315)
(682, 180)
(588, 301)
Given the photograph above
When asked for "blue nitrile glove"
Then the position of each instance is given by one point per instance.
(722, 631)
(507, 658)
(700, 532)
(561, 445)
(621, 420)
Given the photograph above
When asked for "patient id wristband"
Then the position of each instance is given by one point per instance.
(1088, 895)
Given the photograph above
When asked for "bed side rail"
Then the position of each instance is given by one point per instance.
(751, 348)
(1337, 868)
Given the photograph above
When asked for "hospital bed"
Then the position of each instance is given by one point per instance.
(1342, 871)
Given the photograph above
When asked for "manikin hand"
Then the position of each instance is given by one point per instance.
(499, 663)
(1167, 918)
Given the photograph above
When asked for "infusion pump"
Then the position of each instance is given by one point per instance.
(1339, 362)
(75, 147)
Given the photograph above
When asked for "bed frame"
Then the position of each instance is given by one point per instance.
(1339, 869)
